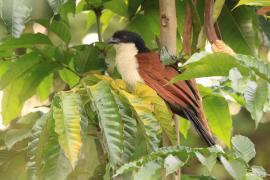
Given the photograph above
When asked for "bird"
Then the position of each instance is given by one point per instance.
(137, 64)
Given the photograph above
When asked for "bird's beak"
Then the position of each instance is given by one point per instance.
(113, 41)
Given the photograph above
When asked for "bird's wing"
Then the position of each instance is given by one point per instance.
(183, 96)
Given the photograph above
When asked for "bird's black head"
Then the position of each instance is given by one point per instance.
(129, 37)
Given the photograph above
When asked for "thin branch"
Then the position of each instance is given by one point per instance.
(208, 21)
(98, 13)
(187, 31)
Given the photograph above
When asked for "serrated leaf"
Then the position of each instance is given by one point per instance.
(254, 3)
(244, 147)
(109, 120)
(217, 110)
(67, 113)
(56, 5)
(25, 41)
(14, 14)
(171, 164)
(258, 171)
(56, 165)
(235, 168)
(36, 146)
(130, 127)
(147, 121)
(255, 97)
(44, 88)
(250, 176)
(60, 28)
(160, 110)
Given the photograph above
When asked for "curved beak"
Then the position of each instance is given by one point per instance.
(113, 41)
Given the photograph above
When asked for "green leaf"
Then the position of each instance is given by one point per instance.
(235, 168)
(250, 176)
(16, 135)
(67, 113)
(258, 171)
(109, 120)
(60, 28)
(14, 14)
(253, 3)
(36, 146)
(130, 127)
(18, 68)
(244, 147)
(171, 164)
(217, 110)
(255, 97)
(217, 64)
(148, 171)
(56, 5)
(56, 165)
(184, 126)
(25, 41)
(209, 162)
(88, 59)
(239, 29)
(44, 88)
(69, 77)
(117, 6)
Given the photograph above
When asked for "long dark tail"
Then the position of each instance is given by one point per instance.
(202, 131)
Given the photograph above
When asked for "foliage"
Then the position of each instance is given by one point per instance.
(96, 127)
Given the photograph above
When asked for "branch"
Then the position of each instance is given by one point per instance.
(98, 13)
(209, 22)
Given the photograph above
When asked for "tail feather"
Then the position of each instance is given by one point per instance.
(202, 131)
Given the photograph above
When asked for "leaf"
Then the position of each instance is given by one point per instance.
(147, 121)
(14, 14)
(56, 166)
(88, 59)
(18, 68)
(44, 88)
(130, 127)
(217, 110)
(209, 162)
(239, 29)
(25, 41)
(56, 5)
(184, 126)
(67, 113)
(69, 77)
(148, 171)
(161, 111)
(244, 147)
(60, 28)
(235, 168)
(36, 146)
(258, 171)
(171, 164)
(250, 176)
(117, 6)
(16, 135)
(255, 97)
(217, 64)
(253, 3)
(109, 120)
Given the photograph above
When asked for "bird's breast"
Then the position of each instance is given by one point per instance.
(127, 66)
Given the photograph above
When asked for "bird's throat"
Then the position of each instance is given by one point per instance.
(127, 64)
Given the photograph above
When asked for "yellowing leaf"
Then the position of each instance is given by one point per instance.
(67, 115)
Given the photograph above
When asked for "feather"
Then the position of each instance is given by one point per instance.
(183, 96)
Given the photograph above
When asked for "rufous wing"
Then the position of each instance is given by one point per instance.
(183, 96)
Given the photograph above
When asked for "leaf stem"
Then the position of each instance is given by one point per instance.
(98, 13)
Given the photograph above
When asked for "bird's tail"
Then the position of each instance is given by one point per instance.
(200, 128)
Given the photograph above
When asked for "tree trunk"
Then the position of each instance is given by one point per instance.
(168, 27)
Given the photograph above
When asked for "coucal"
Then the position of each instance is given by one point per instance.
(136, 63)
